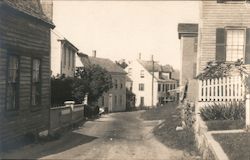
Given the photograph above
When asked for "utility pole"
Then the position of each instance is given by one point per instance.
(153, 70)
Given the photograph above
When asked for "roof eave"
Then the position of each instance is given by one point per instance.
(50, 24)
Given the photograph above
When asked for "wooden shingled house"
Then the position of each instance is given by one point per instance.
(24, 69)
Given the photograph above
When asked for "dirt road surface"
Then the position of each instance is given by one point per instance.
(116, 136)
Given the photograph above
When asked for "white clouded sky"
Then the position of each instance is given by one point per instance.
(122, 29)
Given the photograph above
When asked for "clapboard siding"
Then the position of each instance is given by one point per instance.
(218, 15)
(28, 38)
(23, 33)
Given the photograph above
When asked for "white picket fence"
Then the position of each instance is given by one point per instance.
(221, 89)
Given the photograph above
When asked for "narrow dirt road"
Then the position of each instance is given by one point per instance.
(114, 136)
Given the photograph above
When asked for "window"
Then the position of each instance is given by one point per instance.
(64, 55)
(235, 44)
(103, 101)
(159, 87)
(120, 100)
(36, 82)
(12, 83)
(69, 58)
(121, 85)
(116, 84)
(130, 72)
(163, 87)
(141, 87)
(73, 60)
(167, 87)
(142, 73)
(142, 101)
(115, 100)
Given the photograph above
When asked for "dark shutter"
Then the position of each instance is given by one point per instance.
(220, 1)
(220, 44)
(247, 51)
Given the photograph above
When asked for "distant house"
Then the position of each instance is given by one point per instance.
(188, 35)
(24, 68)
(115, 98)
(151, 82)
(63, 56)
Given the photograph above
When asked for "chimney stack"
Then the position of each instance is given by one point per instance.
(47, 7)
(139, 56)
(94, 53)
(152, 57)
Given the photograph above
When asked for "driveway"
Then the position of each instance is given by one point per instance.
(112, 137)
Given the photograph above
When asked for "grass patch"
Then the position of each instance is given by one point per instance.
(166, 132)
(225, 124)
(235, 145)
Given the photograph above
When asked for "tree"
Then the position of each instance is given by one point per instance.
(61, 90)
(130, 100)
(93, 80)
(121, 63)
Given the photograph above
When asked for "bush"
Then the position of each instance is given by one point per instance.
(229, 111)
(61, 90)
(189, 114)
(225, 124)
(91, 111)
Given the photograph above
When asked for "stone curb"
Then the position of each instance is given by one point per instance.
(216, 148)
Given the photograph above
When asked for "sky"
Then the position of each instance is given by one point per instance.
(123, 29)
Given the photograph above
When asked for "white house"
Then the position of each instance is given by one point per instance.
(114, 100)
(63, 55)
(151, 82)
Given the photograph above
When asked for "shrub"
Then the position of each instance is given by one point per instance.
(61, 90)
(229, 111)
(189, 114)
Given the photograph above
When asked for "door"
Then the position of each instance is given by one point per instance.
(110, 103)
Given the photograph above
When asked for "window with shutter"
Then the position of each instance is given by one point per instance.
(36, 82)
(12, 83)
(235, 44)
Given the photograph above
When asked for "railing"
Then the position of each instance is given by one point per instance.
(221, 89)
(65, 116)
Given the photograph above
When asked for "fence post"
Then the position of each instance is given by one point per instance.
(248, 111)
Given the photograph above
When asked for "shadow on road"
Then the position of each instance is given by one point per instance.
(35, 151)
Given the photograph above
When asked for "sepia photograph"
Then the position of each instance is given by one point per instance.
(125, 79)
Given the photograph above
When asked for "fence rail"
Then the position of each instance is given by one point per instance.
(64, 116)
(221, 89)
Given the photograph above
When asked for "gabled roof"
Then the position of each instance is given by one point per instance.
(29, 7)
(128, 79)
(187, 28)
(107, 64)
(148, 65)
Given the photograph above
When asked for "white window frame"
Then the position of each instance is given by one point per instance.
(244, 42)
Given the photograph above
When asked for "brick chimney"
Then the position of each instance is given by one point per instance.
(47, 7)
(94, 53)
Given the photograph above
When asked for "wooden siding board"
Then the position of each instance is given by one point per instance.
(27, 39)
(214, 15)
